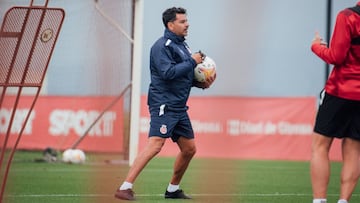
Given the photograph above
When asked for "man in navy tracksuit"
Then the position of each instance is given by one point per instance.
(172, 77)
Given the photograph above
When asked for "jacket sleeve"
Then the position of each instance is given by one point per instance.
(340, 42)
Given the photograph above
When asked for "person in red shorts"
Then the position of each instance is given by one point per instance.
(338, 115)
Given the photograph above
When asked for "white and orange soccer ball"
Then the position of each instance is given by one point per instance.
(66, 155)
(74, 156)
(205, 69)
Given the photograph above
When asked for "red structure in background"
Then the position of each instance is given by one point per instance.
(27, 39)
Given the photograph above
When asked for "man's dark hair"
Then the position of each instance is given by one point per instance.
(169, 15)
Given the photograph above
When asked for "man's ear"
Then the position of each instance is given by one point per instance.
(170, 26)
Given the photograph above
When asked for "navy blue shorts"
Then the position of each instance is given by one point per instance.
(338, 117)
(170, 124)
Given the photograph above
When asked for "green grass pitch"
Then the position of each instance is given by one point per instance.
(207, 181)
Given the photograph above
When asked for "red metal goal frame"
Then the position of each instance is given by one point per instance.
(27, 39)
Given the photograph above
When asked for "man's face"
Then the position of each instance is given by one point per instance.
(180, 25)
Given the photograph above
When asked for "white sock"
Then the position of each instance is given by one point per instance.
(172, 188)
(126, 185)
(319, 201)
(342, 201)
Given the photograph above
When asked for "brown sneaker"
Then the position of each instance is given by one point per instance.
(125, 194)
(178, 194)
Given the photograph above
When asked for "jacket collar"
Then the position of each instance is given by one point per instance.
(173, 37)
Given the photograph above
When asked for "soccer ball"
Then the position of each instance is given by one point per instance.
(66, 156)
(78, 156)
(205, 69)
(74, 156)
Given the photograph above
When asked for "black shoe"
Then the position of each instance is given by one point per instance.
(178, 194)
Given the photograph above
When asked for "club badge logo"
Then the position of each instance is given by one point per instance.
(46, 35)
(163, 129)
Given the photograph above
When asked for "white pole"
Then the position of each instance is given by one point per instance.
(136, 81)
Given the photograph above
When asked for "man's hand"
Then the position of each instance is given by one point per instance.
(198, 57)
(318, 39)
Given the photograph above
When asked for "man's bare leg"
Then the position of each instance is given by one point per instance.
(152, 148)
(187, 151)
(320, 165)
(351, 167)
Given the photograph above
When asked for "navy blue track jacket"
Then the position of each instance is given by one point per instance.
(172, 73)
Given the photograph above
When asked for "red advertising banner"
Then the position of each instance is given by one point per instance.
(248, 128)
(59, 122)
(225, 127)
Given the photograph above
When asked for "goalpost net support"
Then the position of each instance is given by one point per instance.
(27, 39)
(131, 42)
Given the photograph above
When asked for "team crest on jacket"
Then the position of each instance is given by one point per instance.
(163, 129)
